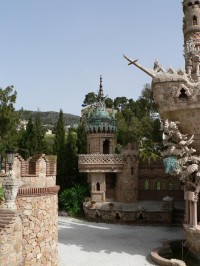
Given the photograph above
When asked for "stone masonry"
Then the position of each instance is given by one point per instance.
(29, 235)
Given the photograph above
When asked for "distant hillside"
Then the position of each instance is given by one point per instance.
(50, 118)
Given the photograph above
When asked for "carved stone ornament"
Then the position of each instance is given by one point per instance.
(10, 187)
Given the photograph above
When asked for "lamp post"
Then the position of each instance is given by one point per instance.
(10, 158)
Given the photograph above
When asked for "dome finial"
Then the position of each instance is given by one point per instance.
(100, 94)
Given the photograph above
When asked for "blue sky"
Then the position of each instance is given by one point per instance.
(54, 51)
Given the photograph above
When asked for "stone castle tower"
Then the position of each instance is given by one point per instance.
(191, 31)
(113, 177)
(177, 91)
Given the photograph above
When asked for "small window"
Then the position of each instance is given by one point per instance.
(131, 170)
(194, 20)
(158, 185)
(98, 186)
(170, 185)
(190, 4)
(196, 2)
(146, 185)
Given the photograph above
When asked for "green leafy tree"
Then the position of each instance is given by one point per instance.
(9, 119)
(71, 199)
(90, 98)
(59, 150)
(135, 124)
(81, 140)
(32, 138)
(109, 102)
(40, 134)
(71, 160)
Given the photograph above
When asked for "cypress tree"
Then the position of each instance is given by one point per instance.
(71, 160)
(59, 149)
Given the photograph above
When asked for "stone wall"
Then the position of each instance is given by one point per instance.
(127, 216)
(10, 239)
(127, 181)
(40, 230)
(152, 171)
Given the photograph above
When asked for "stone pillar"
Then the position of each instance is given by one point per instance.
(195, 214)
(191, 214)
(10, 187)
(186, 212)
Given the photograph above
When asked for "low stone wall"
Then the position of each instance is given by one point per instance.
(126, 216)
(192, 237)
(39, 214)
(159, 260)
(11, 241)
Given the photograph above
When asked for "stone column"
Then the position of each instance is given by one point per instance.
(10, 187)
(195, 213)
(191, 214)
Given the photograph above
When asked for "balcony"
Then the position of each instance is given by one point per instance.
(100, 163)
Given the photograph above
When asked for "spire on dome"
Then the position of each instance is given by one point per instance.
(100, 93)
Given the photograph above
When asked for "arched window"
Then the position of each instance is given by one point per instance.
(98, 186)
(170, 185)
(158, 185)
(194, 20)
(196, 2)
(146, 185)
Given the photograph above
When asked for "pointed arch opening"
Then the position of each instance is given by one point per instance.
(158, 185)
(146, 185)
(98, 186)
(170, 185)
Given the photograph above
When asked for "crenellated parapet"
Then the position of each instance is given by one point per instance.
(37, 171)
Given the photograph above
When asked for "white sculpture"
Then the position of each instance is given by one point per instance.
(178, 158)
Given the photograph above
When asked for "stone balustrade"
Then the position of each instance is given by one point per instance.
(98, 162)
(100, 159)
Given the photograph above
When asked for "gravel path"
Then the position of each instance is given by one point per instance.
(82, 243)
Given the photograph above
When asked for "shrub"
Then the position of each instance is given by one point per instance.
(1, 194)
(71, 199)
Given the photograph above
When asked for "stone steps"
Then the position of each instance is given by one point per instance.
(6, 218)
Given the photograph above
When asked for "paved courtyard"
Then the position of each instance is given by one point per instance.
(83, 243)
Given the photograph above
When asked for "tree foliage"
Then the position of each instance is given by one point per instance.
(59, 149)
(72, 199)
(72, 172)
(31, 139)
(8, 119)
